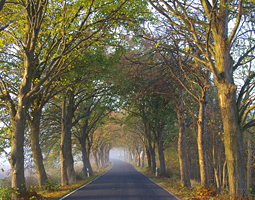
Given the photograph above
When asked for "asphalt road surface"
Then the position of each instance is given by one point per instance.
(121, 182)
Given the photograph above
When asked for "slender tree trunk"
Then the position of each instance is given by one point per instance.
(36, 149)
(185, 179)
(224, 175)
(148, 157)
(107, 152)
(102, 156)
(201, 140)
(215, 164)
(88, 156)
(161, 156)
(153, 157)
(249, 159)
(130, 155)
(138, 162)
(64, 178)
(96, 158)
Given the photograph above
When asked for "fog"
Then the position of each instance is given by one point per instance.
(5, 168)
(116, 153)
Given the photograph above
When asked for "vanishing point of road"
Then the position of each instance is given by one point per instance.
(121, 182)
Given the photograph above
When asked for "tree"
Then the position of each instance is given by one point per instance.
(206, 26)
(42, 40)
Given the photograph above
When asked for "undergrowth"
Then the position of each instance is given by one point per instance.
(187, 193)
(52, 190)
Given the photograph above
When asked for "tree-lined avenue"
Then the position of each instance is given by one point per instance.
(122, 181)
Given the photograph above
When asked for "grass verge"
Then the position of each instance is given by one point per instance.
(52, 191)
(62, 191)
(173, 185)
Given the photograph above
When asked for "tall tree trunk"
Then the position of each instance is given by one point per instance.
(68, 148)
(215, 163)
(16, 158)
(85, 157)
(201, 140)
(153, 157)
(148, 157)
(233, 140)
(89, 164)
(249, 160)
(138, 161)
(64, 177)
(130, 155)
(160, 132)
(35, 146)
(18, 121)
(161, 157)
(102, 156)
(185, 178)
(224, 175)
(69, 157)
(96, 158)
(107, 152)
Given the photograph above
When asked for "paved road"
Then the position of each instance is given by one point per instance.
(121, 182)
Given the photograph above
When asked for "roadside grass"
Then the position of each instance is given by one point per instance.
(62, 191)
(173, 185)
(52, 190)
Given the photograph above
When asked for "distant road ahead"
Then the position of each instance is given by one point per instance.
(121, 182)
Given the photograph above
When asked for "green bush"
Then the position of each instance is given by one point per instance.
(5, 193)
(50, 186)
(80, 176)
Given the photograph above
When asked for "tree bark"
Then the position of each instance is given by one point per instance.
(249, 160)
(35, 146)
(85, 157)
(64, 177)
(185, 178)
(148, 157)
(161, 158)
(102, 156)
(215, 164)
(201, 140)
(224, 175)
(96, 158)
(16, 158)
(68, 148)
(233, 140)
(153, 157)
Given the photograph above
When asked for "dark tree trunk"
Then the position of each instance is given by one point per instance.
(68, 148)
(17, 154)
(161, 149)
(153, 156)
(161, 157)
(36, 149)
(148, 157)
(64, 178)
(85, 157)
(95, 154)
